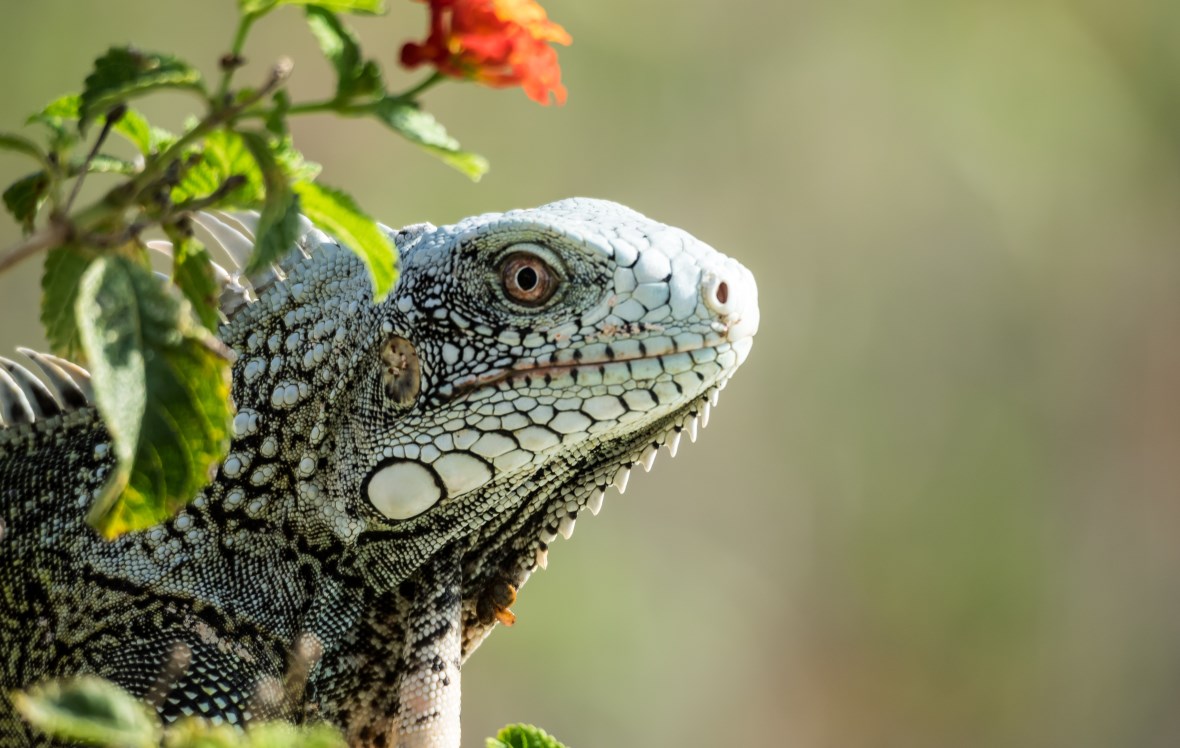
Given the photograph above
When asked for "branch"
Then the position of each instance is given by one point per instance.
(51, 236)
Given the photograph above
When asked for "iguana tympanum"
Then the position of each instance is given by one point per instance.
(397, 469)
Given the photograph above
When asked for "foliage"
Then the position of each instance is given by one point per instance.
(93, 711)
(523, 736)
(160, 377)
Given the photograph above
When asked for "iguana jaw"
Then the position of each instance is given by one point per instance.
(519, 544)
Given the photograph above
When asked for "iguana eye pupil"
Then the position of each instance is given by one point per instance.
(527, 279)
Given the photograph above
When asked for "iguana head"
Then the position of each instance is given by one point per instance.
(525, 362)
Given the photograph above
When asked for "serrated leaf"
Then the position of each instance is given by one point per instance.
(354, 75)
(161, 383)
(223, 155)
(59, 117)
(135, 128)
(88, 710)
(24, 198)
(64, 268)
(286, 735)
(192, 272)
(278, 221)
(423, 129)
(523, 736)
(337, 213)
(292, 162)
(276, 118)
(21, 144)
(365, 7)
(123, 73)
(60, 110)
(103, 163)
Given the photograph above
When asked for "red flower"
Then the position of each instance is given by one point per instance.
(496, 42)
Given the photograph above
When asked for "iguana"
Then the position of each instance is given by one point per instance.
(397, 469)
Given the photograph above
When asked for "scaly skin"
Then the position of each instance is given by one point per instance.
(397, 471)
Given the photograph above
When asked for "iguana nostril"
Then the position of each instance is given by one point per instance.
(722, 292)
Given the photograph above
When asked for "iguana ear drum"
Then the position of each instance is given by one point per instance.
(401, 376)
(403, 489)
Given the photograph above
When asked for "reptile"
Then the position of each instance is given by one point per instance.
(396, 472)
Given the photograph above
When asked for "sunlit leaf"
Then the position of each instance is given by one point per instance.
(103, 163)
(337, 213)
(278, 221)
(161, 383)
(24, 197)
(123, 73)
(64, 268)
(355, 76)
(60, 117)
(523, 736)
(192, 272)
(292, 162)
(423, 129)
(88, 710)
(285, 735)
(135, 128)
(223, 155)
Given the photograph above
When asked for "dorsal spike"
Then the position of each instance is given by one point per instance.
(43, 402)
(235, 243)
(242, 221)
(71, 381)
(14, 406)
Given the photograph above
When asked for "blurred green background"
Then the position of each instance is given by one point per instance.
(939, 505)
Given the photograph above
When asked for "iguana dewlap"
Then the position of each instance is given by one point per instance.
(397, 469)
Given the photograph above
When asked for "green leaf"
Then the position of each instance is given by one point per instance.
(423, 129)
(286, 735)
(59, 117)
(123, 73)
(135, 128)
(64, 268)
(89, 710)
(21, 144)
(278, 222)
(276, 118)
(365, 7)
(103, 163)
(354, 75)
(59, 111)
(24, 198)
(223, 155)
(337, 214)
(292, 162)
(192, 272)
(161, 383)
(523, 736)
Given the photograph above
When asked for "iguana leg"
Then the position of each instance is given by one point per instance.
(428, 691)
(402, 688)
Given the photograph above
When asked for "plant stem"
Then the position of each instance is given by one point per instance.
(353, 109)
(235, 55)
(47, 238)
(418, 90)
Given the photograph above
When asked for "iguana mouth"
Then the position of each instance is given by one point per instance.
(673, 362)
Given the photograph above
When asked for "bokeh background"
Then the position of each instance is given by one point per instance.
(939, 506)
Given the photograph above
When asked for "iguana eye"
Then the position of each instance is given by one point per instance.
(527, 279)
